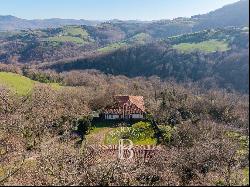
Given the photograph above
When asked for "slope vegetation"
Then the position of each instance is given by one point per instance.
(19, 84)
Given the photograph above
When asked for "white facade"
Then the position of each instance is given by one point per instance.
(116, 116)
(137, 116)
(111, 116)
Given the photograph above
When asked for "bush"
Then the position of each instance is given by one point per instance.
(83, 126)
(142, 130)
(167, 132)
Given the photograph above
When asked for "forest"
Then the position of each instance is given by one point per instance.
(46, 132)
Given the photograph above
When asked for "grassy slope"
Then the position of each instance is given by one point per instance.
(206, 46)
(138, 39)
(246, 176)
(141, 38)
(73, 34)
(75, 31)
(20, 84)
(112, 47)
(66, 39)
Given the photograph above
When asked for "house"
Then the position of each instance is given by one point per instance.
(126, 107)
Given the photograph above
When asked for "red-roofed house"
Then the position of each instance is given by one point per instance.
(126, 107)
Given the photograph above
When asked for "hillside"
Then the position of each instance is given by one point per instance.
(51, 135)
(48, 45)
(56, 39)
(236, 14)
(215, 57)
(194, 56)
(11, 23)
(19, 84)
(184, 49)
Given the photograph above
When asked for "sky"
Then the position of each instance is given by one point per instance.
(109, 9)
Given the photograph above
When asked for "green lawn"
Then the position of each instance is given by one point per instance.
(96, 130)
(108, 133)
(140, 133)
(206, 46)
(20, 84)
(113, 137)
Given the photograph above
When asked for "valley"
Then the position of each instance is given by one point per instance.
(78, 98)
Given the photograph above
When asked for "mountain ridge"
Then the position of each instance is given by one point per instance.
(235, 14)
(9, 23)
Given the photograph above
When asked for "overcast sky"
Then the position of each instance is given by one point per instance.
(109, 9)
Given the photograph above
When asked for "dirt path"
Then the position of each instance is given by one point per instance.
(97, 137)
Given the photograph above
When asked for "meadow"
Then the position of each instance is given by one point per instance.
(20, 84)
(208, 46)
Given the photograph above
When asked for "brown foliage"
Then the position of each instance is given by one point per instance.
(38, 146)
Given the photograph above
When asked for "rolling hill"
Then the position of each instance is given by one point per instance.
(54, 41)
(220, 56)
(20, 84)
(183, 48)
(10, 23)
(236, 14)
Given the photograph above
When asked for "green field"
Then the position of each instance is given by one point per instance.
(72, 39)
(112, 47)
(20, 84)
(206, 46)
(140, 38)
(75, 31)
(72, 34)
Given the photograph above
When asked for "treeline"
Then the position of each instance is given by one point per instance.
(41, 144)
(227, 70)
(174, 101)
(35, 46)
(237, 38)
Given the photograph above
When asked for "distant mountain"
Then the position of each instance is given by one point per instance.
(236, 14)
(13, 23)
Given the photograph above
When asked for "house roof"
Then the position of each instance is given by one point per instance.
(127, 104)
